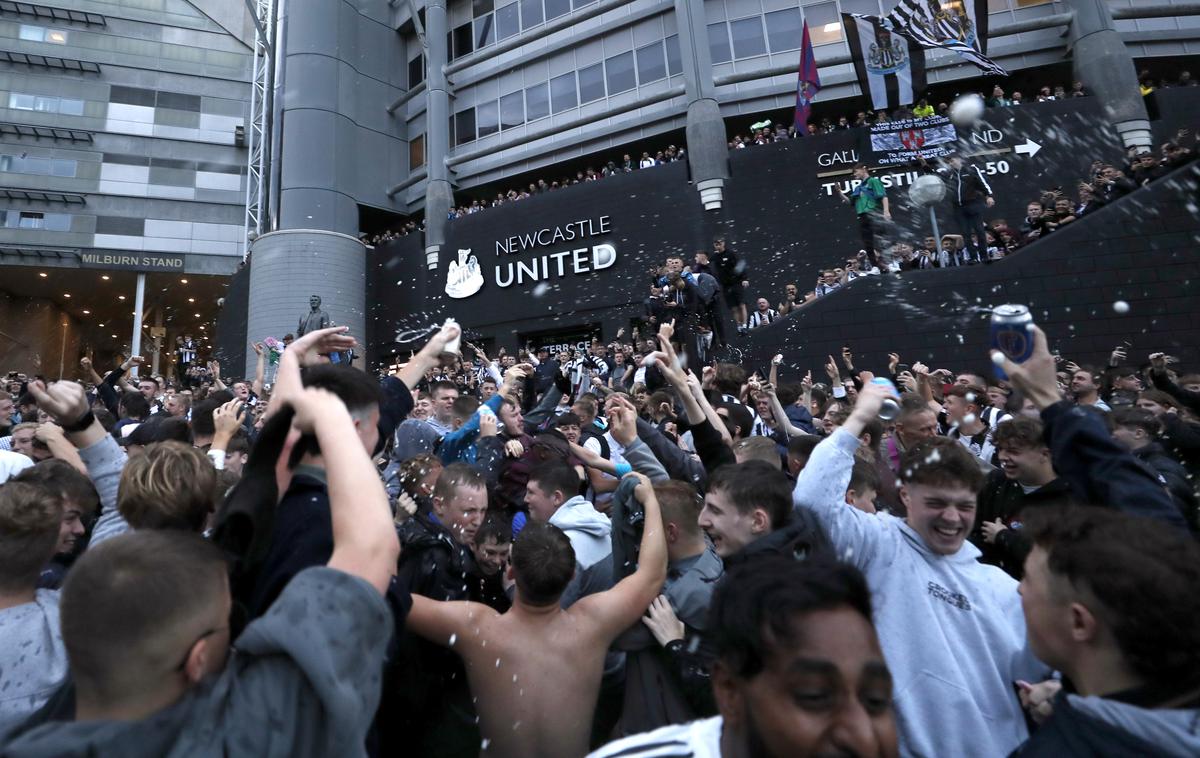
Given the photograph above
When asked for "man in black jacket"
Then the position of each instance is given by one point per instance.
(1138, 430)
(1110, 601)
(1026, 481)
(731, 273)
(970, 195)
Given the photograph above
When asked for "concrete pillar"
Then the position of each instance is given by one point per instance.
(288, 266)
(708, 152)
(1102, 62)
(317, 147)
(439, 195)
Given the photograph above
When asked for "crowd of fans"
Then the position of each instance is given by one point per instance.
(627, 548)
(763, 133)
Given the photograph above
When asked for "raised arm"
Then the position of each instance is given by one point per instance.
(429, 356)
(1098, 469)
(619, 608)
(446, 623)
(821, 486)
(260, 368)
(364, 540)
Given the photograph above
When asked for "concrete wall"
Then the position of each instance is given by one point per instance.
(38, 338)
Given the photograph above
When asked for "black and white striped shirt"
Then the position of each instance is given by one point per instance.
(699, 739)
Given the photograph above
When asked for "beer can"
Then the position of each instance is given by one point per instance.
(1010, 334)
(890, 409)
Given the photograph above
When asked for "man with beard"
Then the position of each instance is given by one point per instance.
(799, 670)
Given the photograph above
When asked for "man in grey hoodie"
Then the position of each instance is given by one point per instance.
(552, 496)
(32, 659)
(1111, 602)
(951, 627)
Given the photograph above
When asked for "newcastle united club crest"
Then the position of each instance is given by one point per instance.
(887, 54)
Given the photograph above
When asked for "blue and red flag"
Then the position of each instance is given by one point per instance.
(808, 83)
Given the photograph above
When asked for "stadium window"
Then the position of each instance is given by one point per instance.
(508, 22)
(512, 110)
(824, 24)
(620, 74)
(487, 118)
(556, 8)
(482, 7)
(580, 3)
(674, 58)
(785, 30)
(70, 107)
(591, 83)
(485, 31)
(650, 63)
(537, 102)
(416, 70)
(531, 13)
(32, 220)
(464, 126)
(31, 33)
(463, 41)
(718, 42)
(563, 96)
(748, 40)
(416, 152)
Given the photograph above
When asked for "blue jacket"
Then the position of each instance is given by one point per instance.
(459, 445)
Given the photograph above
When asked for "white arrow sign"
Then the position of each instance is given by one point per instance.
(1030, 148)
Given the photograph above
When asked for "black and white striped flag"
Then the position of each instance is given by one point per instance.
(890, 67)
(957, 25)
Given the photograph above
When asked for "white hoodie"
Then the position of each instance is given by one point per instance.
(33, 661)
(951, 628)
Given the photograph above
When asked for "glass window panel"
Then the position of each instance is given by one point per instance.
(464, 126)
(556, 8)
(824, 24)
(56, 36)
(865, 7)
(718, 43)
(463, 40)
(57, 222)
(21, 102)
(416, 71)
(32, 220)
(651, 66)
(70, 107)
(581, 3)
(512, 110)
(487, 118)
(591, 83)
(416, 152)
(485, 31)
(60, 167)
(508, 22)
(47, 104)
(531, 13)
(480, 7)
(785, 30)
(619, 70)
(537, 101)
(674, 58)
(32, 33)
(562, 92)
(748, 40)
(996, 6)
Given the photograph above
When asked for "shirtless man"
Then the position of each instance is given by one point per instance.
(536, 669)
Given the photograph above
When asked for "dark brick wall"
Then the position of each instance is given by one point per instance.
(1143, 249)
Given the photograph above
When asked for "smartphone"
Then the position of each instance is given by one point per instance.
(902, 367)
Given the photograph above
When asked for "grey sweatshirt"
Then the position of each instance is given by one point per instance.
(105, 460)
(33, 661)
(951, 628)
(590, 533)
(304, 681)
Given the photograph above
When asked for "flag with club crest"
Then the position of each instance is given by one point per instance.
(956, 25)
(808, 83)
(890, 67)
